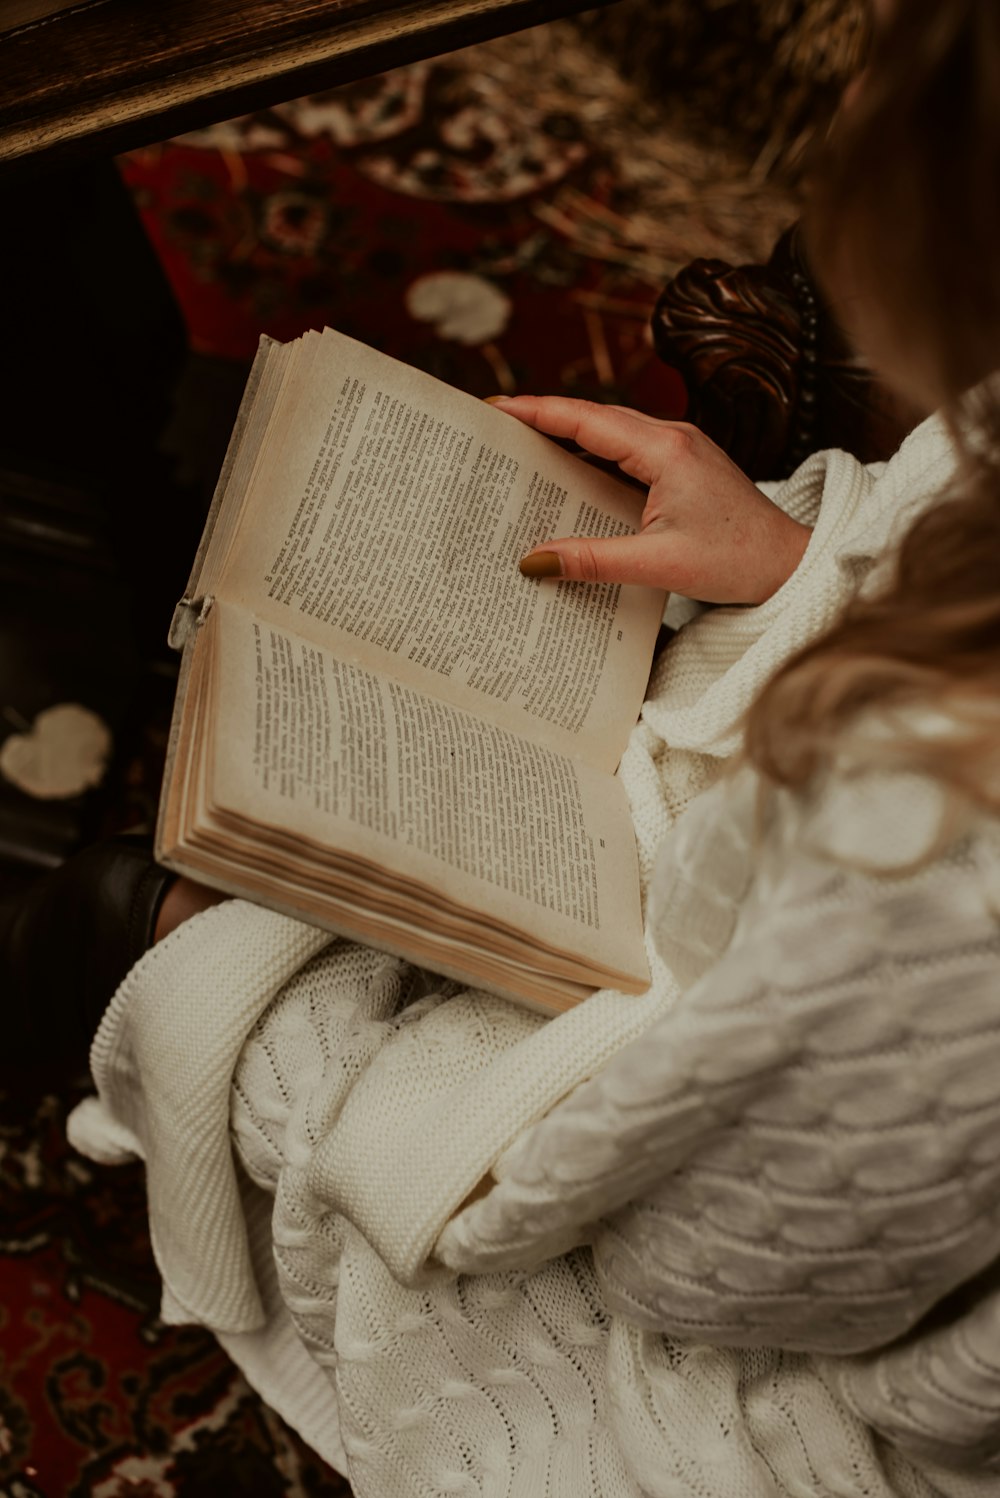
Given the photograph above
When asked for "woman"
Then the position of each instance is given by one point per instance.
(740, 1235)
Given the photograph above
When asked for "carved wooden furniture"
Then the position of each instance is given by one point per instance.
(769, 374)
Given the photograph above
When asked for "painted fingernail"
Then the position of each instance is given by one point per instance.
(496, 400)
(541, 564)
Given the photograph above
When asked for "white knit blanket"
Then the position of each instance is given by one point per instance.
(658, 1245)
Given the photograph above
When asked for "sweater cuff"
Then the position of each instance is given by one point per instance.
(801, 494)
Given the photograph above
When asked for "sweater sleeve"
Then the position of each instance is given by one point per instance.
(803, 1152)
(708, 677)
(802, 501)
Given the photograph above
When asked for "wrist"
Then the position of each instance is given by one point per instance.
(787, 547)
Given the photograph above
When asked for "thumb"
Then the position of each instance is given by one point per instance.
(617, 559)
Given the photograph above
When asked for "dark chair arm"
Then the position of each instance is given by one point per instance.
(769, 374)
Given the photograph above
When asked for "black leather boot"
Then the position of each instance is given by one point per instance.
(68, 942)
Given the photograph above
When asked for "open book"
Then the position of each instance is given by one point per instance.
(381, 726)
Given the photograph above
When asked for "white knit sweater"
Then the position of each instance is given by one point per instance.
(673, 1245)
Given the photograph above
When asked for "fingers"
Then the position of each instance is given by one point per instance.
(618, 559)
(637, 443)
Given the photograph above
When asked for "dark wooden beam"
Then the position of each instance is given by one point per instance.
(107, 75)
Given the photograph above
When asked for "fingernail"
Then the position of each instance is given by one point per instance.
(541, 564)
(496, 400)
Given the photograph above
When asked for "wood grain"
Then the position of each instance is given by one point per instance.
(108, 75)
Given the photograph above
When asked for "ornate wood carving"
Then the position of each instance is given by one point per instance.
(770, 377)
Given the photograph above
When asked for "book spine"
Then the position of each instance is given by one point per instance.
(190, 609)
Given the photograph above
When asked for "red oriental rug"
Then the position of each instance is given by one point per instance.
(453, 213)
(97, 1397)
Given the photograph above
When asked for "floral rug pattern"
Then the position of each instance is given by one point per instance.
(471, 228)
(98, 1399)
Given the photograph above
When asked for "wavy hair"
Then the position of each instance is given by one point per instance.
(904, 231)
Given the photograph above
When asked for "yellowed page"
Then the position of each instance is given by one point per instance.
(189, 825)
(341, 756)
(263, 413)
(385, 519)
(237, 870)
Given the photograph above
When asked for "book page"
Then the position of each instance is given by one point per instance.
(387, 524)
(260, 420)
(351, 759)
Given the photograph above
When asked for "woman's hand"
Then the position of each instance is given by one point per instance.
(707, 532)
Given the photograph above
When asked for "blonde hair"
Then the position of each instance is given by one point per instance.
(907, 212)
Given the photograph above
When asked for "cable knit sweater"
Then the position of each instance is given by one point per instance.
(735, 1238)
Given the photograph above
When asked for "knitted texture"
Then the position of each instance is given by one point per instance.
(273, 1357)
(516, 1250)
(505, 1381)
(173, 1029)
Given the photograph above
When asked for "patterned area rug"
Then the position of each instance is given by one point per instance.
(503, 218)
(97, 1397)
